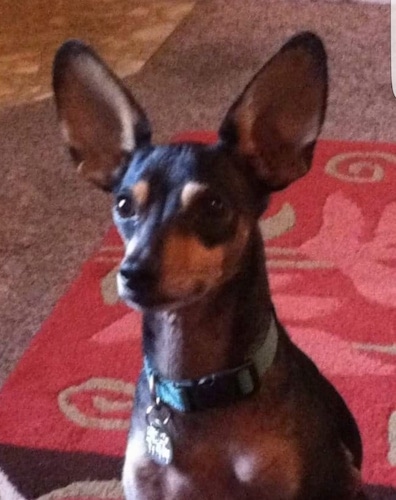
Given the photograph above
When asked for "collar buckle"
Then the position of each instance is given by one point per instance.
(219, 390)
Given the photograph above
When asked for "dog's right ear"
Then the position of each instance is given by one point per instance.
(274, 124)
(101, 122)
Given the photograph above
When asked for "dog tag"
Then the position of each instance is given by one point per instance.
(158, 443)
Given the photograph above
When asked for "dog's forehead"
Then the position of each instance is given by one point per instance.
(173, 166)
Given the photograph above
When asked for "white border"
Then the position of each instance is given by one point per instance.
(393, 46)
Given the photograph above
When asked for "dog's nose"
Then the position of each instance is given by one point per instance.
(138, 274)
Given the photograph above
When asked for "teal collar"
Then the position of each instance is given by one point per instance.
(217, 389)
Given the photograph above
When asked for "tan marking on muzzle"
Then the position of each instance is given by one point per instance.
(189, 267)
(190, 192)
(187, 264)
(140, 192)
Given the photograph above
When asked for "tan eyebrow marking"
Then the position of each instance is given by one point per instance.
(140, 192)
(190, 191)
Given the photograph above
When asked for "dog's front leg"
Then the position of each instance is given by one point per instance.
(141, 477)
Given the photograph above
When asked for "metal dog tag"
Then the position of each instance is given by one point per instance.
(158, 443)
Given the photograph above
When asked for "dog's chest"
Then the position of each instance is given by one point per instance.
(246, 465)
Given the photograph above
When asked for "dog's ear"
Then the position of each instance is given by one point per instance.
(100, 120)
(277, 119)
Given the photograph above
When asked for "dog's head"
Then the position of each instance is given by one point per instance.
(186, 212)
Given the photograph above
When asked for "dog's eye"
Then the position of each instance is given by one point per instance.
(214, 206)
(125, 207)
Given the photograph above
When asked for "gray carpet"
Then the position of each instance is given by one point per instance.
(51, 222)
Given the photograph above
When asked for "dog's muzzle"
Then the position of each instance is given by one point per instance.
(136, 282)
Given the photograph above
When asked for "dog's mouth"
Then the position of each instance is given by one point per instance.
(142, 296)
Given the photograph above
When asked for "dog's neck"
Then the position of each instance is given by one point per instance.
(218, 332)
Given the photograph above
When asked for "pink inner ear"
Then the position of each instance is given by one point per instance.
(280, 112)
(100, 119)
(291, 130)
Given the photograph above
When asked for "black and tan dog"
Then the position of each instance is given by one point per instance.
(227, 407)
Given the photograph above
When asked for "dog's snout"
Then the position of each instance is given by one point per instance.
(137, 274)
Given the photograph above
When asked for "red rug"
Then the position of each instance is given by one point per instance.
(331, 248)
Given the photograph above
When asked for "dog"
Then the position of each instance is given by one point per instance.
(226, 407)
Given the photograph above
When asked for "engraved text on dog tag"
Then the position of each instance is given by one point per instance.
(158, 443)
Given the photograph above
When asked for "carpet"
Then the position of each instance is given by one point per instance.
(331, 251)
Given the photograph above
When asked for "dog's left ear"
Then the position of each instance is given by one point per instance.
(101, 122)
(277, 119)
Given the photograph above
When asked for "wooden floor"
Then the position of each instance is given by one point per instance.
(126, 32)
